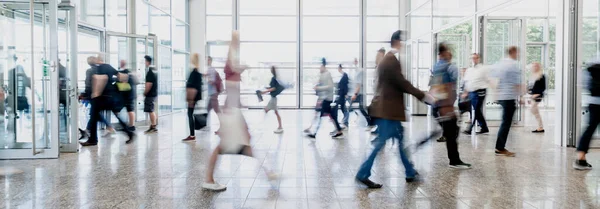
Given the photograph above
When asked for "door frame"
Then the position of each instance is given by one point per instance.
(483, 21)
(51, 53)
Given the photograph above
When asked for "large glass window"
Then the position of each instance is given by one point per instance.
(180, 35)
(116, 15)
(91, 11)
(160, 24)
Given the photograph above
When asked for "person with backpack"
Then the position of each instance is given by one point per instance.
(193, 88)
(275, 88)
(126, 85)
(104, 99)
(215, 86)
(592, 80)
(443, 87)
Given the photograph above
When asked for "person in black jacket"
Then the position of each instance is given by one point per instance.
(537, 89)
(342, 92)
(193, 88)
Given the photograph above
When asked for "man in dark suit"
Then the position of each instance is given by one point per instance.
(387, 110)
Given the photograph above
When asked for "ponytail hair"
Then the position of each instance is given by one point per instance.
(274, 71)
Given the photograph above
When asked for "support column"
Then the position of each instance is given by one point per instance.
(197, 31)
(568, 65)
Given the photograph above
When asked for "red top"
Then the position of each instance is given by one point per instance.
(231, 75)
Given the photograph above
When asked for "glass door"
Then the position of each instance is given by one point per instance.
(132, 49)
(29, 74)
(497, 35)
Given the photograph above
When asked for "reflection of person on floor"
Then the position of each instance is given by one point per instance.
(18, 82)
(325, 92)
(274, 89)
(537, 89)
(234, 130)
(592, 79)
(104, 98)
(86, 97)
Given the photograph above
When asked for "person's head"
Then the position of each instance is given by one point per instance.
(122, 64)
(513, 52)
(356, 61)
(340, 68)
(195, 60)
(323, 64)
(91, 60)
(15, 58)
(379, 57)
(396, 40)
(148, 60)
(100, 59)
(209, 61)
(536, 68)
(475, 58)
(444, 52)
(274, 71)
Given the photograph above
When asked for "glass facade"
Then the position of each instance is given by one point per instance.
(166, 19)
(294, 35)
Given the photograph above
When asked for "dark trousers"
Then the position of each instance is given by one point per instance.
(361, 108)
(327, 110)
(594, 121)
(340, 103)
(100, 104)
(450, 132)
(508, 111)
(190, 114)
(477, 101)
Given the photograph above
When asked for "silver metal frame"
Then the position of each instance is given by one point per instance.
(54, 141)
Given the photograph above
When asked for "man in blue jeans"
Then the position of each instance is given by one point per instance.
(387, 107)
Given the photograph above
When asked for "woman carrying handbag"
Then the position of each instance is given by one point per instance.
(193, 89)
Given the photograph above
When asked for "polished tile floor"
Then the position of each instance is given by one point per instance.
(160, 171)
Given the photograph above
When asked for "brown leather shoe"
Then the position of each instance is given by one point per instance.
(505, 152)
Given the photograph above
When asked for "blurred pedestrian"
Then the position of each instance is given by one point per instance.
(357, 95)
(128, 79)
(537, 88)
(476, 83)
(592, 79)
(193, 89)
(509, 90)
(150, 94)
(325, 91)
(275, 88)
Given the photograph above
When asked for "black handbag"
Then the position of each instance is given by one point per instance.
(200, 120)
(464, 106)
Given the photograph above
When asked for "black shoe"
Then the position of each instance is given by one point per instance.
(441, 139)
(482, 132)
(131, 136)
(460, 166)
(83, 134)
(338, 135)
(538, 131)
(370, 184)
(582, 165)
(312, 135)
(152, 129)
(131, 128)
(88, 143)
(467, 132)
(415, 178)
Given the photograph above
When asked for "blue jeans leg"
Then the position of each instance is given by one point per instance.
(409, 169)
(386, 131)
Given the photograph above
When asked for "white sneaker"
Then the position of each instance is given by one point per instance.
(278, 131)
(108, 132)
(214, 186)
(272, 176)
(369, 128)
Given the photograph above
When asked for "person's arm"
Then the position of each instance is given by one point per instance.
(149, 79)
(98, 84)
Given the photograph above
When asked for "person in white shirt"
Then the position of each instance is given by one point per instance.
(476, 82)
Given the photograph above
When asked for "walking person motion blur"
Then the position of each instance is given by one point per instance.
(508, 89)
(104, 98)
(325, 92)
(592, 79)
(275, 88)
(126, 86)
(86, 97)
(193, 89)
(342, 93)
(358, 95)
(443, 87)
(215, 86)
(235, 137)
(537, 88)
(150, 94)
(380, 55)
(476, 83)
(387, 109)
